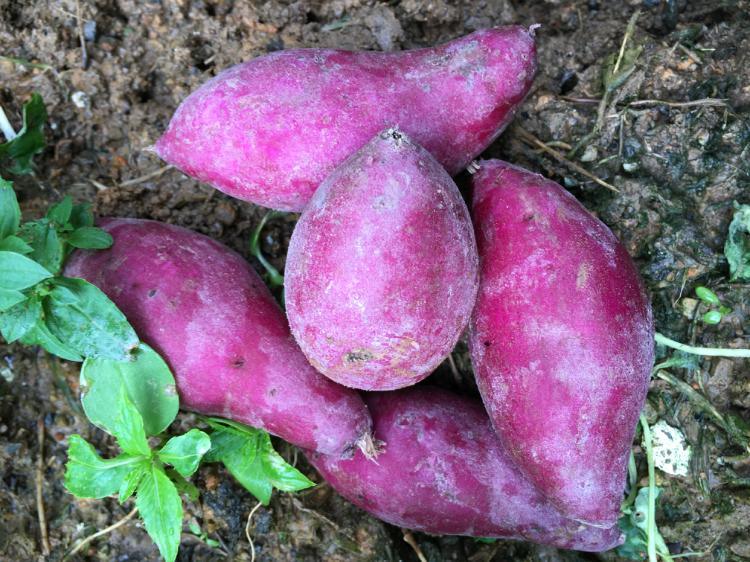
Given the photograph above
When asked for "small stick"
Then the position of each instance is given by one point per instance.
(109, 529)
(147, 177)
(531, 139)
(708, 351)
(39, 479)
(705, 102)
(84, 52)
(412, 542)
(454, 369)
(298, 505)
(689, 53)
(247, 531)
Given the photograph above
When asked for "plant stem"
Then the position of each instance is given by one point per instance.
(275, 278)
(7, 129)
(708, 351)
(651, 514)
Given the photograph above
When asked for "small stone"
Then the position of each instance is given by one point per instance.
(225, 213)
(89, 30)
(590, 154)
(80, 99)
(688, 307)
(671, 451)
(630, 166)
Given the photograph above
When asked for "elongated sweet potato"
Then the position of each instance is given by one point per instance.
(443, 471)
(382, 268)
(214, 321)
(271, 129)
(561, 339)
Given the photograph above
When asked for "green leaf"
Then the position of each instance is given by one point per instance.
(81, 215)
(41, 335)
(127, 425)
(18, 272)
(10, 298)
(84, 318)
(59, 213)
(635, 545)
(30, 139)
(46, 246)
(640, 508)
(712, 317)
(613, 79)
(17, 321)
(90, 238)
(132, 479)
(160, 507)
(707, 295)
(149, 383)
(183, 486)
(737, 245)
(87, 475)
(249, 456)
(15, 244)
(239, 454)
(185, 452)
(10, 212)
(280, 473)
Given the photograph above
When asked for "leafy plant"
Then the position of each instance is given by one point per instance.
(249, 456)
(737, 245)
(196, 530)
(142, 407)
(638, 520)
(29, 140)
(127, 389)
(711, 299)
(70, 318)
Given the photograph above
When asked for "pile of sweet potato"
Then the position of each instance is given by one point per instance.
(386, 269)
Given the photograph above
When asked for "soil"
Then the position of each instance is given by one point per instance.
(678, 167)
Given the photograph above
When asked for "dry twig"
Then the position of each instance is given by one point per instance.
(533, 141)
(146, 177)
(87, 540)
(412, 542)
(84, 52)
(39, 481)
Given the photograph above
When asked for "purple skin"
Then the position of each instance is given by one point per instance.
(213, 319)
(382, 269)
(444, 472)
(272, 129)
(562, 339)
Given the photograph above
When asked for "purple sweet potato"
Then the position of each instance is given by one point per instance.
(214, 321)
(561, 339)
(443, 471)
(382, 269)
(272, 129)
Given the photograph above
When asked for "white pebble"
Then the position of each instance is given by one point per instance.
(671, 451)
(80, 99)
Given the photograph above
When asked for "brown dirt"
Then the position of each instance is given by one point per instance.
(678, 170)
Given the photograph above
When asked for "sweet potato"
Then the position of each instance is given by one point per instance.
(561, 339)
(443, 471)
(214, 321)
(271, 129)
(382, 268)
